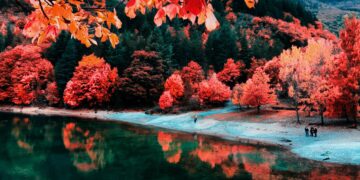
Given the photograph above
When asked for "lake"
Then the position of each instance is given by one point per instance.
(39, 147)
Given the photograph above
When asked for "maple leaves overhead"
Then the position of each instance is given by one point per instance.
(49, 18)
(89, 20)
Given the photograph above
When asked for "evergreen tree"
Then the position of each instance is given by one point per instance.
(196, 52)
(181, 49)
(116, 56)
(65, 65)
(2, 42)
(9, 35)
(245, 54)
(54, 52)
(155, 42)
(220, 46)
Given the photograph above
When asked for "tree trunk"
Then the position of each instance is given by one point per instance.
(346, 115)
(355, 114)
(322, 116)
(297, 112)
(258, 109)
(240, 108)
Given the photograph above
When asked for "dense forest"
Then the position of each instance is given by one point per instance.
(180, 66)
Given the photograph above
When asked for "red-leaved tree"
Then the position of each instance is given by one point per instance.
(256, 91)
(92, 84)
(350, 43)
(166, 100)
(237, 93)
(25, 76)
(231, 72)
(213, 91)
(174, 84)
(192, 72)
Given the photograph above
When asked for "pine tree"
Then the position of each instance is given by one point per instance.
(54, 52)
(65, 66)
(220, 46)
(155, 42)
(9, 35)
(181, 49)
(245, 55)
(2, 42)
(196, 48)
(115, 56)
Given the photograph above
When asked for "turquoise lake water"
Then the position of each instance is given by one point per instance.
(38, 147)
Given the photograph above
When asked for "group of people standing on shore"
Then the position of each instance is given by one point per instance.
(313, 131)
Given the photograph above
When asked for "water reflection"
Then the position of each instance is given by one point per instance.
(46, 147)
(21, 127)
(172, 150)
(88, 149)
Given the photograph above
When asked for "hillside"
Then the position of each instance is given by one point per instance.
(332, 12)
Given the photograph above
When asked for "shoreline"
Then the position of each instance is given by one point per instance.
(335, 145)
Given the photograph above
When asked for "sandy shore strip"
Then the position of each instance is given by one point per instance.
(339, 145)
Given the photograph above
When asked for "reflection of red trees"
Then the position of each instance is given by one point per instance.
(20, 127)
(80, 142)
(172, 150)
(226, 156)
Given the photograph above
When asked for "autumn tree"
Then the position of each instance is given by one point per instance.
(290, 73)
(142, 82)
(213, 91)
(192, 74)
(174, 84)
(25, 76)
(166, 100)
(350, 43)
(257, 91)
(237, 93)
(305, 70)
(92, 84)
(231, 72)
(272, 69)
(255, 63)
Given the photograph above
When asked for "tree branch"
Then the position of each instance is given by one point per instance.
(42, 9)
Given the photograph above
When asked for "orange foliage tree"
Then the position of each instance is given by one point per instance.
(231, 72)
(92, 84)
(257, 91)
(87, 20)
(237, 93)
(166, 100)
(174, 84)
(305, 70)
(192, 72)
(26, 77)
(350, 43)
(213, 91)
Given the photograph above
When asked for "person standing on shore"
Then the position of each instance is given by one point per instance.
(315, 132)
(311, 131)
(195, 118)
(306, 131)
